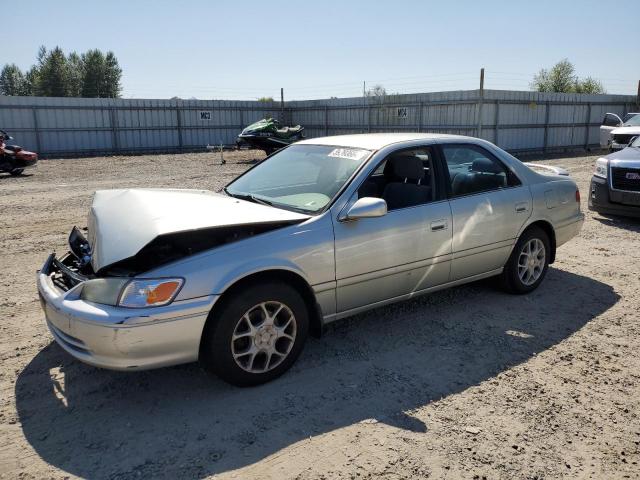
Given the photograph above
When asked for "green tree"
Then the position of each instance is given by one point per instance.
(562, 78)
(76, 68)
(93, 74)
(12, 81)
(111, 87)
(265, 99)
(376, 91)
(589, 85)
(31, 81)
(53, 75)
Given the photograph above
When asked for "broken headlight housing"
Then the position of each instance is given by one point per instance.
(137, 293)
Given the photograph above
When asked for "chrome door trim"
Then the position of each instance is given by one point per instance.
(442, 286)
(484, 248)
(385, 272)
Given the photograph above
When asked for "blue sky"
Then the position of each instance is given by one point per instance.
(247, 49)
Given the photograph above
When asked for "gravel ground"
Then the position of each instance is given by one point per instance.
(465, 383)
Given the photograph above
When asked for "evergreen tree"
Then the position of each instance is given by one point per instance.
(93, 74)
(53, 75)
(76, 67)
(12, 81)
(112, 76)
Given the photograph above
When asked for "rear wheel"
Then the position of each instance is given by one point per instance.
(257, 334)
(528, 263)
(16, 171)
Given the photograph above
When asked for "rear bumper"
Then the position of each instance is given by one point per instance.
(603, 200)
(567, 231)
(122, 338)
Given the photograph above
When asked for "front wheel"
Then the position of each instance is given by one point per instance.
(257, 334)
(16, 171)
(528, 263)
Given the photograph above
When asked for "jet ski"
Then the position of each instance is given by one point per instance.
(269, 135)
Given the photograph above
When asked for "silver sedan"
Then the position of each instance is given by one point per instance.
(319, 231)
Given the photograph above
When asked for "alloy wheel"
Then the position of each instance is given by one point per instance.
(263, 337)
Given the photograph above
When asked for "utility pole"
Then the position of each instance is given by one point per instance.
(480, 102)
(282, 119)
(638, 96)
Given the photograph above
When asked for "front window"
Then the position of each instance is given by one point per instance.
(300, 177)
(634, 121)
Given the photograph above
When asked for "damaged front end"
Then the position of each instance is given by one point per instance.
(72, 268)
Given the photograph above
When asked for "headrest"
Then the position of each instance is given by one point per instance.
(405, 166)
(484, 165)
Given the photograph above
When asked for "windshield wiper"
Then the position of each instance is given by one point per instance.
(248, 196)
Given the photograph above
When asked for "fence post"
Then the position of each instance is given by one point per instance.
(326, 120)
(37, 130)
(113, 120)
(546, 126)
(586, 128)
(369, 118)
(496, 127)
(480, 102)
(179, 125)
(421, 106)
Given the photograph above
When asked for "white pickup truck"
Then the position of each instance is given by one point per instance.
(615, 132)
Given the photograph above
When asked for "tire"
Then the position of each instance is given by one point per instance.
(16, 171)
(525, 270)
(264, 352)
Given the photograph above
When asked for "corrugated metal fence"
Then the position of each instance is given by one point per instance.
(516, 121)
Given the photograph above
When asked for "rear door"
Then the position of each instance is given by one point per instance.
(489, 205)
(609, 122)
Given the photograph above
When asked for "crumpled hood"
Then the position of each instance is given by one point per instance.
(122, 222)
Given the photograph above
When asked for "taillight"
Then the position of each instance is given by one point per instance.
(577, 195)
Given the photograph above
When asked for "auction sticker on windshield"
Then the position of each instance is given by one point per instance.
(350, 153)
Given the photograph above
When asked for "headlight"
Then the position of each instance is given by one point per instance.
(124, 292)
(103, 290)
(150, 293)
(602, 166)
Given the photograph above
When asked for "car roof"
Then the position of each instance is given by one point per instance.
(375, 141)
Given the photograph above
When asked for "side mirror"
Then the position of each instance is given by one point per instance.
(366, 207)
(633, 140)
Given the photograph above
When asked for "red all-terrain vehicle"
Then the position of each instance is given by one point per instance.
(14, 159)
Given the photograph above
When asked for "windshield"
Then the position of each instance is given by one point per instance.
(634, 121)
(300, 177)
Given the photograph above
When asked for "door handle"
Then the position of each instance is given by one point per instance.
(521, 207)
(438, 225)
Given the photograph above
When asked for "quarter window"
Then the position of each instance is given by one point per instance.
(472, 169)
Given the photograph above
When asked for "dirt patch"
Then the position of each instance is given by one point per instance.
(464, 383)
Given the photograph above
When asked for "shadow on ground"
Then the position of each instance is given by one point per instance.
(628, 223)
(179, 422)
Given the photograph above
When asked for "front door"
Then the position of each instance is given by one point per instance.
(489, 205)
(404, 251)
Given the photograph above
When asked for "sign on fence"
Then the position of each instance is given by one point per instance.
(205, 115)
(402, 112)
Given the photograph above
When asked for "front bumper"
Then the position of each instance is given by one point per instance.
(612, 202)
(122, 338)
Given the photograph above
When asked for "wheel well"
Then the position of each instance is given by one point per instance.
(548, 229)
(284, 276)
